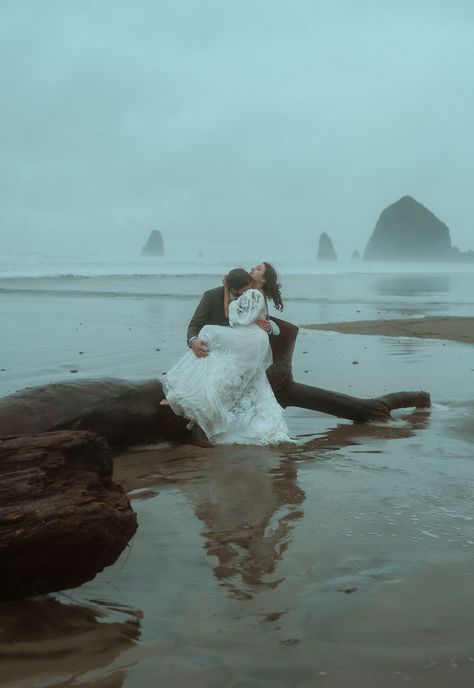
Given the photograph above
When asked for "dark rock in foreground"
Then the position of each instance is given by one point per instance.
(408, 231)
(154, 246)
(326, 249)
(62, 519)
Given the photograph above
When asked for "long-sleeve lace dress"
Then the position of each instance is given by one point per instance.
(227, 393)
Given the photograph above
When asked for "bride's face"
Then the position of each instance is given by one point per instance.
(258, 273)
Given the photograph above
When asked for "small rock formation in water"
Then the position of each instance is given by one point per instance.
(406, 230)
(355, 255)
(154, 246)
(326, 249)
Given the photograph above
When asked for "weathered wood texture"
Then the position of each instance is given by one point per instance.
(124, 412)
(129, 413)
(62, 518)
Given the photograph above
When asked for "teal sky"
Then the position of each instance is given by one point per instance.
(249, 127)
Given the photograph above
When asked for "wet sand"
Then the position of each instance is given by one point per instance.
(456, 329)
(347, 561)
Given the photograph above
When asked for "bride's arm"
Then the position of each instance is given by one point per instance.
(248, 308)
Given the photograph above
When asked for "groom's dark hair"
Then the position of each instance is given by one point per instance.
(238, 278)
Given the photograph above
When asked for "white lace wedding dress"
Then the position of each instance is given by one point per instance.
(227, 393)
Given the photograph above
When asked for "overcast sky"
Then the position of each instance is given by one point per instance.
(263, 122)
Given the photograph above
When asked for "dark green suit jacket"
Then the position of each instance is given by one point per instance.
(210, 311)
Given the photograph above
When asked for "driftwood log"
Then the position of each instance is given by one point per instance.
(129, 413)
(360, 410)
(62, 519)
(124, 412)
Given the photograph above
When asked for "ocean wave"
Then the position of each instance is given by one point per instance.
(107, 276)
(86, 266)
(94, 293)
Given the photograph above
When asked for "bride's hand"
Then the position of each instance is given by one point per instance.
(264, 325)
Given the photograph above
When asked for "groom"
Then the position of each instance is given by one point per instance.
(210, 310)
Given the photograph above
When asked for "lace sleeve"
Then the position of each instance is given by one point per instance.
(247, 308)
(274, 329)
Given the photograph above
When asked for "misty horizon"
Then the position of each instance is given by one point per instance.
(250, 129)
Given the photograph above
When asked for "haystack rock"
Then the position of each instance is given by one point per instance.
(326, 249)
(355, 255)
(406, 231)
(154, 245)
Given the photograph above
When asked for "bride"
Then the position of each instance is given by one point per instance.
(227, 392)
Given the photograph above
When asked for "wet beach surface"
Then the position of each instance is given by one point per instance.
(345, 561)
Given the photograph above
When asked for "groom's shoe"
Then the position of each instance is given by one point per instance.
(198, 438)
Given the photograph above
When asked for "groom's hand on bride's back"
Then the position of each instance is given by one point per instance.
(200, 347)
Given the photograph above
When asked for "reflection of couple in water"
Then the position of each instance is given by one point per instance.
(220, 385)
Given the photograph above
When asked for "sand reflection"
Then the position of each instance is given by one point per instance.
(47, 641)
(247, 498)
(248, 509)
(402, 425)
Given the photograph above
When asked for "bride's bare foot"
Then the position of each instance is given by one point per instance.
(164, 402)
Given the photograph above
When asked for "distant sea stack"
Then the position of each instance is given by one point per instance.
(154, 245)
(408, 231)
(326, 249)
(355, 255)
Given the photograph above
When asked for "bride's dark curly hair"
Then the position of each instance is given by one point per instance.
(272, 286)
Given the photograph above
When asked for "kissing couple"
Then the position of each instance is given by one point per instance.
(220, 385)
